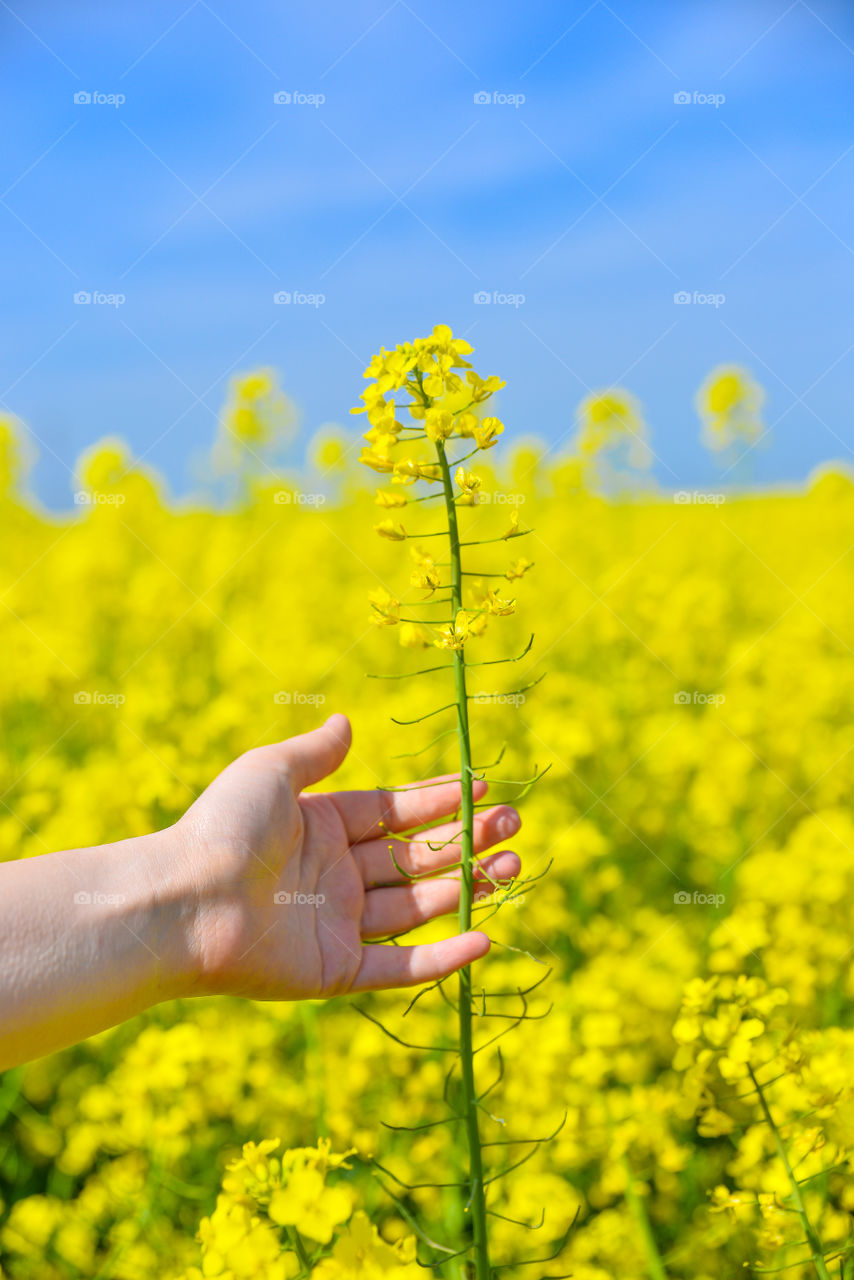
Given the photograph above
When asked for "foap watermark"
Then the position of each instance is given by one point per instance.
(684, 899)
(484, 98)
(83, 98)
(484, 298)
(686, 497)
(285, 899)
(296, 698)
(296, 98)
(83, 898)
(501, 897)
(92, 498)
(94, 698)
(293, 298)
(683, 98)
(95, 298)
(501, 499)
(503, 699)
(289, 497)
(694, 697)
(683, 298)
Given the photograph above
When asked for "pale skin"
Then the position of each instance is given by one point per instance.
(261, 890)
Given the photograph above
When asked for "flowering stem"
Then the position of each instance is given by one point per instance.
(654, 1265)
(809, 1231)
(477, 1198)
(298, 1247)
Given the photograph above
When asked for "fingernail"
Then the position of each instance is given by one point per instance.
(508, 823)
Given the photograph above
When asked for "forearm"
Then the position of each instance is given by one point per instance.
(88, 938)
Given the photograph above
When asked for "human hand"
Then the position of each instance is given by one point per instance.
(287, 886)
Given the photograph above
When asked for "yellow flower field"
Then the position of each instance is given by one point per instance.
(693, 930)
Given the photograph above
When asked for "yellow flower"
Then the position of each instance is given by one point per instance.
(438, 423)
(482, 388)
(413, 635)
(425, 575)
(492, 603)
(606, 417)
(255, 1157)
(486, 432)
(360, 1253)
(236, 1243)
(455, 635)
(256, 410)
(381, 440)
(513, 531)
(518, 569)
(722, 1199)
(381, 417)
(469, 485)
(389, 498)
(376, 461)
(388, 529)
(409, 469)
(714, 1124)
(306, 1202)
(328, 451)
(729, 402)
(372, 396)
(385, 610)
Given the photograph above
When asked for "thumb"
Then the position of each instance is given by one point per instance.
(310, 757)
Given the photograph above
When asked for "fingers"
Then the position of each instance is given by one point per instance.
(423, 802)
(396, 910)
(310, 757)
(411, 966)
(414, 857)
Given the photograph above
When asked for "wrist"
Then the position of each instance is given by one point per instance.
(90, 937)
(159, 910)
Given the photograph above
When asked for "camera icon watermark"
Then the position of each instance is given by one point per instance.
(96, 99)
(296, 698)
(500, 699)
(94, 698)
(499, 897)
(293, 297)
(285, 899)
(501, 499)
(695, 698)
(295, 98)
(685, 497)
(83, 898)
(485, 298)
(684, 99)
(95, 298)
(293, 497)
(485, 99)
(93, 498)
(684, 899)
(683, 298)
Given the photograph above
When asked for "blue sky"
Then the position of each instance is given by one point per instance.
(400, 197)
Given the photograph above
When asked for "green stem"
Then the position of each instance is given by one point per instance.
(296, 1242)
(477, 1197)
(654, 1265)
(809, 1231)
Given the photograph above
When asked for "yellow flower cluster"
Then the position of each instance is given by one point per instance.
(277, 1218)
(443, 399)
(782, 1098)
(729, 403)
(697, 719)
(444, 402)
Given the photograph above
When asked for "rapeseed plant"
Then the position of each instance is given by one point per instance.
(424, 402)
